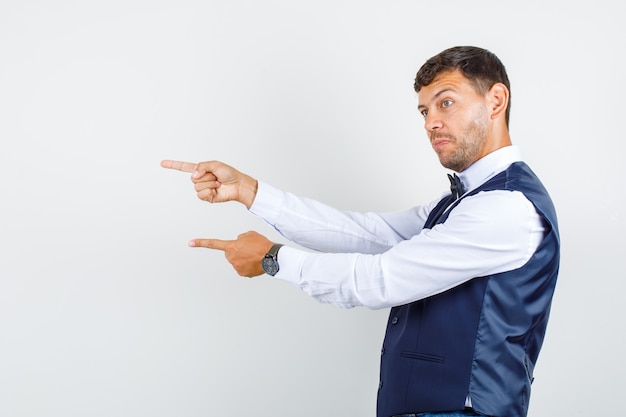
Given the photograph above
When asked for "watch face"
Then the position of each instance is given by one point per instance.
(270, 266)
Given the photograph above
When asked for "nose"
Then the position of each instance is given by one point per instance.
(432, 122)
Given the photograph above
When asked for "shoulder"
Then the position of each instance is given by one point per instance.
(494, 210)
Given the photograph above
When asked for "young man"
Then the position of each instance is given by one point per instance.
(469, 278)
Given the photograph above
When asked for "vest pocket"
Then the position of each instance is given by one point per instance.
(422, 356)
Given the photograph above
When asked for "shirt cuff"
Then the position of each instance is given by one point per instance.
(267, 202)
(290, 262)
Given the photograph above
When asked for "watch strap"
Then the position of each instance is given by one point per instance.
(273, 252)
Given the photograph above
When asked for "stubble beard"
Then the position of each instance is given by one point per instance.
(469, 145)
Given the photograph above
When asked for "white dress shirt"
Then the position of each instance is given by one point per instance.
(381, 260)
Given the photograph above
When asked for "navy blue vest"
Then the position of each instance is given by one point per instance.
(480, 338)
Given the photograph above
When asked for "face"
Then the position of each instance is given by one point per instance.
(456, 120)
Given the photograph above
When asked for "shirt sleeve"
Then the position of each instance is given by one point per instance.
(320, 227)
(488, 233)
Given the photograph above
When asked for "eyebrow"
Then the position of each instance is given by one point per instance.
(437, 94)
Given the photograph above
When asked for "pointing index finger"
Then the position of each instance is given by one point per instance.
(179, 165)
(210, 243)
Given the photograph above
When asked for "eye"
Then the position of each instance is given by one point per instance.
(424, 112)
(446, 103)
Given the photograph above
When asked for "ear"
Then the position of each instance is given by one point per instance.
(498, 96)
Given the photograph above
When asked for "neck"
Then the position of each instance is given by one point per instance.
(498, 138)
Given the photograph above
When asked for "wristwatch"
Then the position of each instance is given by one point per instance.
(270, 261)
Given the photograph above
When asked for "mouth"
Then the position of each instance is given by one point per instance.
(438, 142)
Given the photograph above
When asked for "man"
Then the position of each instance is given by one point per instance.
(469, 278)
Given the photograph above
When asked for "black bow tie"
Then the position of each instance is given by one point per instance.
(456, 186)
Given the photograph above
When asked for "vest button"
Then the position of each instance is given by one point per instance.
(382, 351)
(380, 384)
(394, 320)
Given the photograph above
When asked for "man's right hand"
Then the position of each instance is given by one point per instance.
(217, 182)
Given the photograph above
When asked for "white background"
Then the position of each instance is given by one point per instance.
(105, 311)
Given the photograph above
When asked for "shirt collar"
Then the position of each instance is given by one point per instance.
(490, 165)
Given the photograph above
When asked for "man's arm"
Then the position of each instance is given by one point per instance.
(321, 227)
